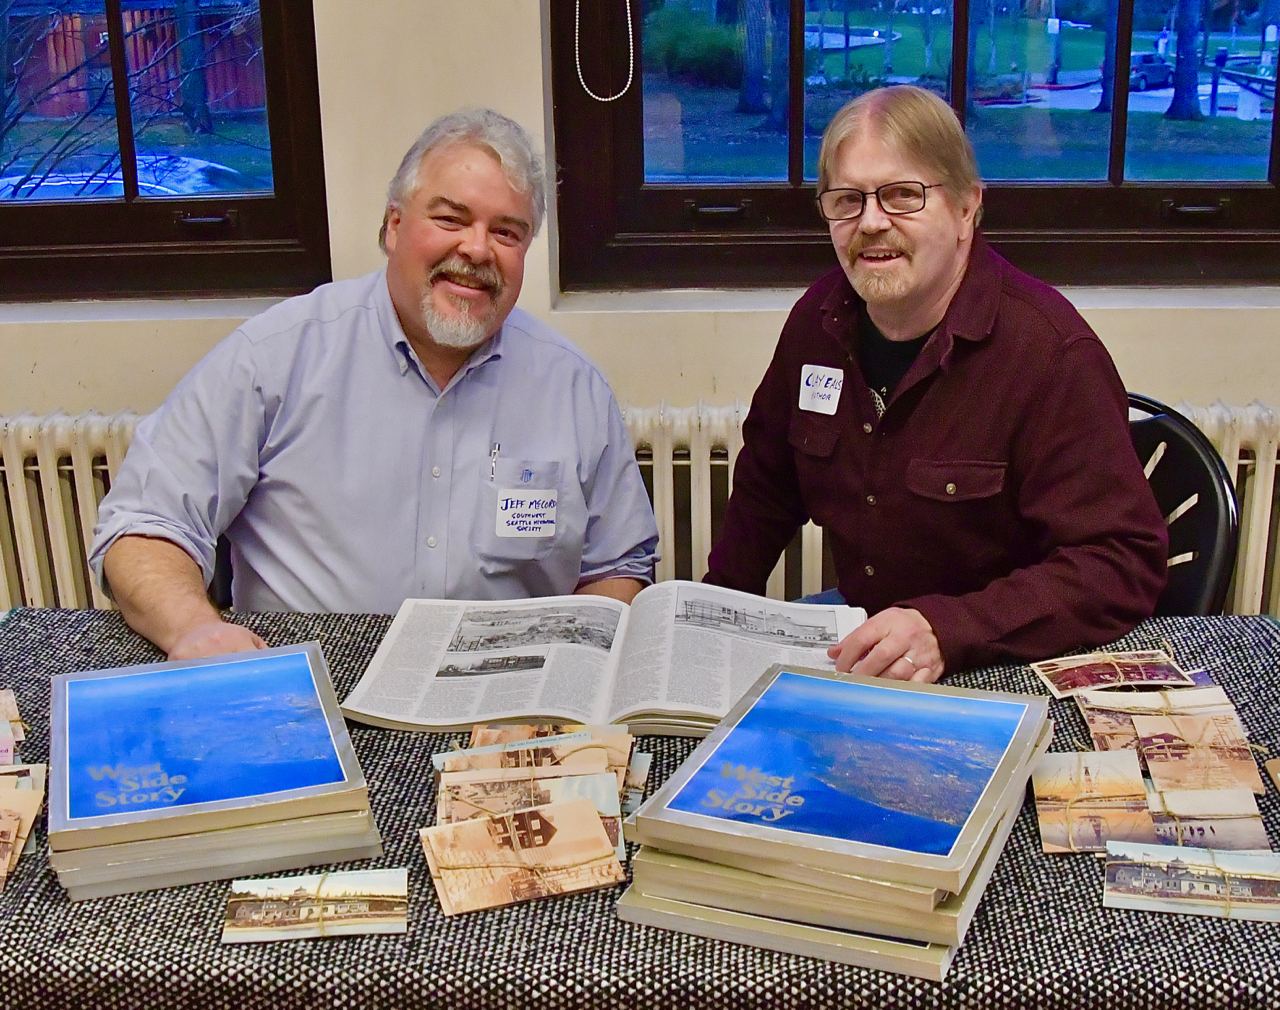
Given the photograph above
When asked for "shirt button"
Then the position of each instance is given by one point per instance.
(869, 570)
(871, 499)
(951, 489)
(866, 426)
(435, 471)
(431, 541)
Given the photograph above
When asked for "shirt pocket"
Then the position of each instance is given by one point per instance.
(504, 554)
(813, 435)
(960, 521)
(955, 480)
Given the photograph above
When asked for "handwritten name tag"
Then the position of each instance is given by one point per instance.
(526, 512)
(820, 388)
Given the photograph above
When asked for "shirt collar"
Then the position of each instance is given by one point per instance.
(403, 352)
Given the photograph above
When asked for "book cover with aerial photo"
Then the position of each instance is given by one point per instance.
(210, 743)
(854, 773)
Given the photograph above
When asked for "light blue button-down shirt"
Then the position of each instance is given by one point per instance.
(347, 480)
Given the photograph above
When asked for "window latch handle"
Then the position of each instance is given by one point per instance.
(1171, 210)
(718, 212)
(227, 221)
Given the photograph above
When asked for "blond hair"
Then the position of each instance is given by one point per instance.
(916, 123)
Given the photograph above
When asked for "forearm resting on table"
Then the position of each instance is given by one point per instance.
(160, 591)
(623, 589)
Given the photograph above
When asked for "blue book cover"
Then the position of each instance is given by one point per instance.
(855, 761)
(139, 743)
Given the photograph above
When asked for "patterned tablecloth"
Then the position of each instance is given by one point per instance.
(1040, 939)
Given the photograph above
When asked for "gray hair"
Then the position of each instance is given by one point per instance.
(504, 138)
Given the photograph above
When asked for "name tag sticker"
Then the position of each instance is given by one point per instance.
(526, 512)
(820, 388)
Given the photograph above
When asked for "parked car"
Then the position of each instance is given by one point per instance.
(1149, 70)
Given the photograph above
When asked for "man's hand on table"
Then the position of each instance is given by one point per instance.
(216, 638)
(896, 643)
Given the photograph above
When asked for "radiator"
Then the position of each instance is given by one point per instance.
(56, 468)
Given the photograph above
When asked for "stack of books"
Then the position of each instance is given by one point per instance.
(853, 819)
(175, 773)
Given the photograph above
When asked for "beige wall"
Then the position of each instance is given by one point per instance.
(385, 74)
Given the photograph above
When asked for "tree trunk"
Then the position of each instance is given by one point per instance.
(779, 85)
(888, 42)
(991, 29)
(971, 107)
(1108, 99)
(751, 93)
(926, 32)
(1186, 70)
(191, 63)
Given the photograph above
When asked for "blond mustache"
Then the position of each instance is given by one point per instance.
(488, 276)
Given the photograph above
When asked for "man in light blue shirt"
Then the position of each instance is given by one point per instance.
(409, 433)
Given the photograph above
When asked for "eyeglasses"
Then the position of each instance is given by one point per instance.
(893, 197)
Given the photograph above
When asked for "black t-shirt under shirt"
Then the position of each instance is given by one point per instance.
(883, 361)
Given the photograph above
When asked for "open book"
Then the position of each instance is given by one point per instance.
(674, 661)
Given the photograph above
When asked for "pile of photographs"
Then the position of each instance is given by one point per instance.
(21, 788)
(847, 818)
(175, 773)
(345, 903)
(527, 812)
(1165, 833)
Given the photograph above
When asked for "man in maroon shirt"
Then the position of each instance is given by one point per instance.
(953, 425)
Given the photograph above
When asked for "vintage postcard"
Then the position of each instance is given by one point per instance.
(10, 844)
(520, 856)
(1166, 878)
(637, 777)
(568, 751)
(317, 905)
(25, 804)
(617, 740)
(1083, 800)
(1109, 714)
(1072, 674)
(9, 713)
(1197, 752)
(464, 801)
(1208, 818)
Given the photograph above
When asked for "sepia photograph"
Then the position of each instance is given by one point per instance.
(520, 856)
(488, 629)
(1208, 818)
(501, 663)
(1228, 885)
(317, 905)
(1197, 752)
(1073, 674)
(695, 609)
(1084, 800)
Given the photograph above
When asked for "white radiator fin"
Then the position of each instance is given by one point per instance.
(55, 469)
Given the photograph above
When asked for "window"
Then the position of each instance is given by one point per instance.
(159, 146)
(1122, 141)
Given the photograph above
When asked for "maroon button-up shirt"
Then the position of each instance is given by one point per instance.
(999, 495)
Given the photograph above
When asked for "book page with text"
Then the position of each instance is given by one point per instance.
(696, 648)
(446, 663)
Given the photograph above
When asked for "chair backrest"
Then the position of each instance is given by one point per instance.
(1197, 498)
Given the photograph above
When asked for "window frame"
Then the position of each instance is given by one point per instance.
(206, 245)
(618, 232)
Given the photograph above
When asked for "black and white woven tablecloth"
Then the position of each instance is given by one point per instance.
(1040, 938)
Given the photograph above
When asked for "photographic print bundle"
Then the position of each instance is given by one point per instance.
(317, 905)
(1109, 714)
(487, 862)
(1190, 881)
(1070, 675)
(1084, 800)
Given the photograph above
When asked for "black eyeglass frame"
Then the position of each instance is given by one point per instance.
(864, 193)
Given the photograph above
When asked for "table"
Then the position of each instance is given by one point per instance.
(1040, 937)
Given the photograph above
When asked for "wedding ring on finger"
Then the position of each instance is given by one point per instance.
(910, 660)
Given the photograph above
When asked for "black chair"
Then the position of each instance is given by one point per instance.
(1197, 498)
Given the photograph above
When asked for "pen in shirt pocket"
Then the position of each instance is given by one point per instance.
(493, 461)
